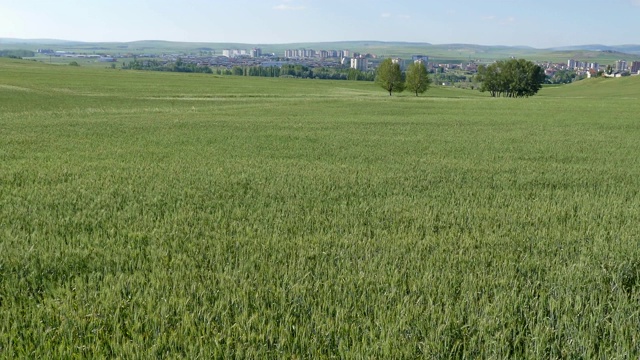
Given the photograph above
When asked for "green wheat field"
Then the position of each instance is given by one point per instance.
(164, 215)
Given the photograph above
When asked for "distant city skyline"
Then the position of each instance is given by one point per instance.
(539, 24)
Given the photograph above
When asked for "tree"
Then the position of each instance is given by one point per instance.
(389, 76)
(17, 54)
(563, 77)
(237, 71)
(511, 78)
(417, 78)
(609, 70)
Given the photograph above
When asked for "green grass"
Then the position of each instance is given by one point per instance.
(626, 88)
(160, 215)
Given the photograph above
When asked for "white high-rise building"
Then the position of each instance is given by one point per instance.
(400, 63)
(233, 53)
(420, 58)
(360, 63)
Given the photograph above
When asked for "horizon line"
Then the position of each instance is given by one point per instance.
(45, 40)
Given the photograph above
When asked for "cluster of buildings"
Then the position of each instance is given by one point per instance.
(73, 55)
(307, 57)
(620, 65)
(359, 63)
(414, 59)
(581, 65)
(591, 69)
(362, 63)
(297, 54)
(254, 53)
(346, 58)
(633, 67)
(323, 54)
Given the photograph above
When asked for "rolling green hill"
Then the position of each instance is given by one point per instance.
(170, 215)
(626, 87)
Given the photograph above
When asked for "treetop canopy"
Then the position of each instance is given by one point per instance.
(511, 78)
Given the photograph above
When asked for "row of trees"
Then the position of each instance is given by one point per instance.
(562, 77)
(286, 70)
(298, 71)
(178, 66)
(391, 78)
(511, 78)
(17, 54)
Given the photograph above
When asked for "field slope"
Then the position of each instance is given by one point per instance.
(627, 88)
(159, 215)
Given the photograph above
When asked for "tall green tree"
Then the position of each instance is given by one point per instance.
(389, 77)
(609, 70)
(563, 77)
(417, 78)
(511, 78)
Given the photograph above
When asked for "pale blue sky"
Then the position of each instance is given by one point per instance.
(541, 24)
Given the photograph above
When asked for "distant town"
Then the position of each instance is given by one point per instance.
(233, 61)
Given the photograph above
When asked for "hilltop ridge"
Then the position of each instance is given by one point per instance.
(455, 51)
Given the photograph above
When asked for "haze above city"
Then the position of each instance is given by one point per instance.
(539, 24)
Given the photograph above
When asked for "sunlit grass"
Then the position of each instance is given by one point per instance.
(173, 215)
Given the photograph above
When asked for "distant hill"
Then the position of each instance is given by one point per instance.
(438, 52)
(623, 49)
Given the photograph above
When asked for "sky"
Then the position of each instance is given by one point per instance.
(539, 24)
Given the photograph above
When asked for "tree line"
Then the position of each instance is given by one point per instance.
(506, 78)
(16, 54)
(298, 71)
(391, 78)
(177, 66)
(513, 78)
(286, 70)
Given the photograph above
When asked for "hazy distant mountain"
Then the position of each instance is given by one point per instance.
(625, 49)
(628, 49)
